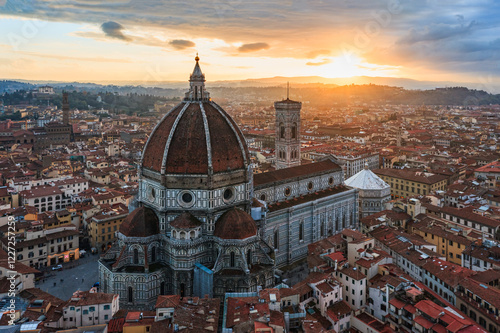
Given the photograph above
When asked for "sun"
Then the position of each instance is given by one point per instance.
(349, 66)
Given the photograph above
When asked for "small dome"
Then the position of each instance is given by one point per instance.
(235, 224)
(366, 180)
(185, 221)
(142, 222)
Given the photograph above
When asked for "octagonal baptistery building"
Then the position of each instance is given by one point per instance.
(192, 234)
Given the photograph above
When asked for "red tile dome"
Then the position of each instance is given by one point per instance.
(142, 222)
(235, 224)
(196, 138)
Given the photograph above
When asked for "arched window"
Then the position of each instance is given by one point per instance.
(136, 257)
(49, 199)
(322, 229)
(282, 131)
(232, 261)
(130, 295)
(301, 231)
(58, 197)
(37, 201)
(294, 131)
(162, 288)
(276, 239)
(153, 254)
(183, 235)
(249, 256)
(192, 234)
(43, 199)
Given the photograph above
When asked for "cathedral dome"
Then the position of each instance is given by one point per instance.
(235, 224)
(142, 222)
(197, 137)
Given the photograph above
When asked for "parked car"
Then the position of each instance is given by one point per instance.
(57, 268)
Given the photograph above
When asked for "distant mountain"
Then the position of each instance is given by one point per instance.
(360, 80)
(274, 81)
(314, 90)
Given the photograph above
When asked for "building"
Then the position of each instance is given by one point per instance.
(480, 302)
(450, 242)
(103, 226)
(287, 146)
(86, 308)
(374, 193)
(45, 198)
(189, 314)
(490, 172)
(408, 183)
(354, 286)
(46, 248)
(353, 164)
(192, 234)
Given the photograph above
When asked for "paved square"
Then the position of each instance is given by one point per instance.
(80, 277)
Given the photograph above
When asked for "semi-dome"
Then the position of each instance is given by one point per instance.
(142, 222)
(235, 224)
(197, 137)
(185, 221)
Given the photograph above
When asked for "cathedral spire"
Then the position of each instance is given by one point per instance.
(197, 90)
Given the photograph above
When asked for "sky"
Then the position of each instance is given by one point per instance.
(157, 40)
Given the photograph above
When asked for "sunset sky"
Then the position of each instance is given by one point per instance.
(156, 40)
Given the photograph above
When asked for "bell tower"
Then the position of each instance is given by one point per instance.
(287, 142)
(65, 108)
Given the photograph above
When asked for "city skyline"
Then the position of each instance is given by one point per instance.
(156, 41)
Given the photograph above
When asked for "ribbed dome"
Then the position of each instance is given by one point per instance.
(196, 137)
(142, 222)
(235, 224)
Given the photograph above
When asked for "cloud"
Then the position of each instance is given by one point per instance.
(319, 63)
(436, 32)
(253, 47)
(317, 53)
(114, 30)
(181, 44)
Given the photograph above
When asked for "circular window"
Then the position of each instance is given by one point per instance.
(263, 197)
(187, 197)
(288, 191)
(310, 186)
(228, 194)
(330, 180)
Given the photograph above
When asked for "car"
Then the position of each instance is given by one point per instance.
(57, 268)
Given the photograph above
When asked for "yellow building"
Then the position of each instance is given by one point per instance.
(103, 227)
(450, 241)
(408, 183)
(58, 219)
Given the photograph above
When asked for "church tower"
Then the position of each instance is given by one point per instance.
(287, 142)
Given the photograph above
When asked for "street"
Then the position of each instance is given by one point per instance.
(80, 277)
